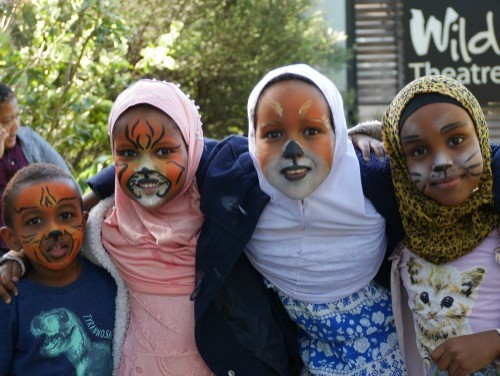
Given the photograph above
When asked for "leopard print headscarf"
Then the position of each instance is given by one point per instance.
(436, 232)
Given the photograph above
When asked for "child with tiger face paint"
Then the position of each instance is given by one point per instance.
(438, 144)
(151, 227)
(44, 216)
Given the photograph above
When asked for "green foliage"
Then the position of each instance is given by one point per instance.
(66, 62)
(225, 47)
(69, 59)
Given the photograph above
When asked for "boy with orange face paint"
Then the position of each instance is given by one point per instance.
(63, 321)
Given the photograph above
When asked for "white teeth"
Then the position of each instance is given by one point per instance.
(296, 172)
(149, 185)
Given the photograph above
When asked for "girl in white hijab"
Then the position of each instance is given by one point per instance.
(319, 242)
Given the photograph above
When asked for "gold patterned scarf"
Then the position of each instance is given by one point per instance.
(436, 232)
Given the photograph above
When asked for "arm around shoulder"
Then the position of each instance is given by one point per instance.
(12, 268)
(103, 184)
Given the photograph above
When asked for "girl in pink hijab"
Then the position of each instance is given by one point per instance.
(151, 226)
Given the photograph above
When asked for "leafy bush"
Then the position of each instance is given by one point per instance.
(69, 59)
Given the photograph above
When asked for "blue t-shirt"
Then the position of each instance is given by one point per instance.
(60, 330)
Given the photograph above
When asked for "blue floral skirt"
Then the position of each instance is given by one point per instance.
(352, 336)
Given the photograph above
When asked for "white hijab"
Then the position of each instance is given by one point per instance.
(331, 243)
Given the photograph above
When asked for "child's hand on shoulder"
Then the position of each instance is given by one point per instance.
(10, 272)
(367, 137)
(367, 144)
(463, 355)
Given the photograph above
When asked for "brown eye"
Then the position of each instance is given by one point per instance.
(272, 134)
(34, 221)
(66, 215)
(418, 151)
(457, 140)
(311, 132)
(164, 151)
(126, 153)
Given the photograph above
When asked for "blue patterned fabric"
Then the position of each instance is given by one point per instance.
(353, 336)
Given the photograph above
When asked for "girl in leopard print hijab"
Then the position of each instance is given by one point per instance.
(437, 140)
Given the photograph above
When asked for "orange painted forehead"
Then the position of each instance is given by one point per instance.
(141, 118)
(45, 194)
(293, 97)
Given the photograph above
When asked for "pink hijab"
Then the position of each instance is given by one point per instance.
(154, 250)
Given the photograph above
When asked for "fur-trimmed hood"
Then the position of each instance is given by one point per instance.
(95, 252)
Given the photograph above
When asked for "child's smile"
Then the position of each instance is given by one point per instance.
(56, 245)
(295, 171)
(148, 183)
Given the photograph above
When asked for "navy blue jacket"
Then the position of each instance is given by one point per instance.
(241, 325)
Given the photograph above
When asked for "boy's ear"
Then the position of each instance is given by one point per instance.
(10, 238)
(85, 217)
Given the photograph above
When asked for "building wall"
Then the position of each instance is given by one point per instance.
(374, 30)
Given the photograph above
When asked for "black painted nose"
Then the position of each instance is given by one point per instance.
(293, 150)
(441, 167)
(146, 171)
(55, 234)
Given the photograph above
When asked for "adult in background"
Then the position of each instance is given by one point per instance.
(19, 146)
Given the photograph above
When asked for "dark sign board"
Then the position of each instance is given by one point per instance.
(458, 38)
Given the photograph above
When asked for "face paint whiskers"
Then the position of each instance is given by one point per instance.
(476, 164)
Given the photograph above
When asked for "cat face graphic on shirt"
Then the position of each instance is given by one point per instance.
(441, 298)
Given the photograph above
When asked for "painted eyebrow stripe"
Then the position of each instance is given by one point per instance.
(321, 121)
(326, 120)
(23, 208)
(174, 147)
(162, 134)
(66, 199)
(267, 124)
(277, 108)
(134, 126)
(305, 107)
(130, 133)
